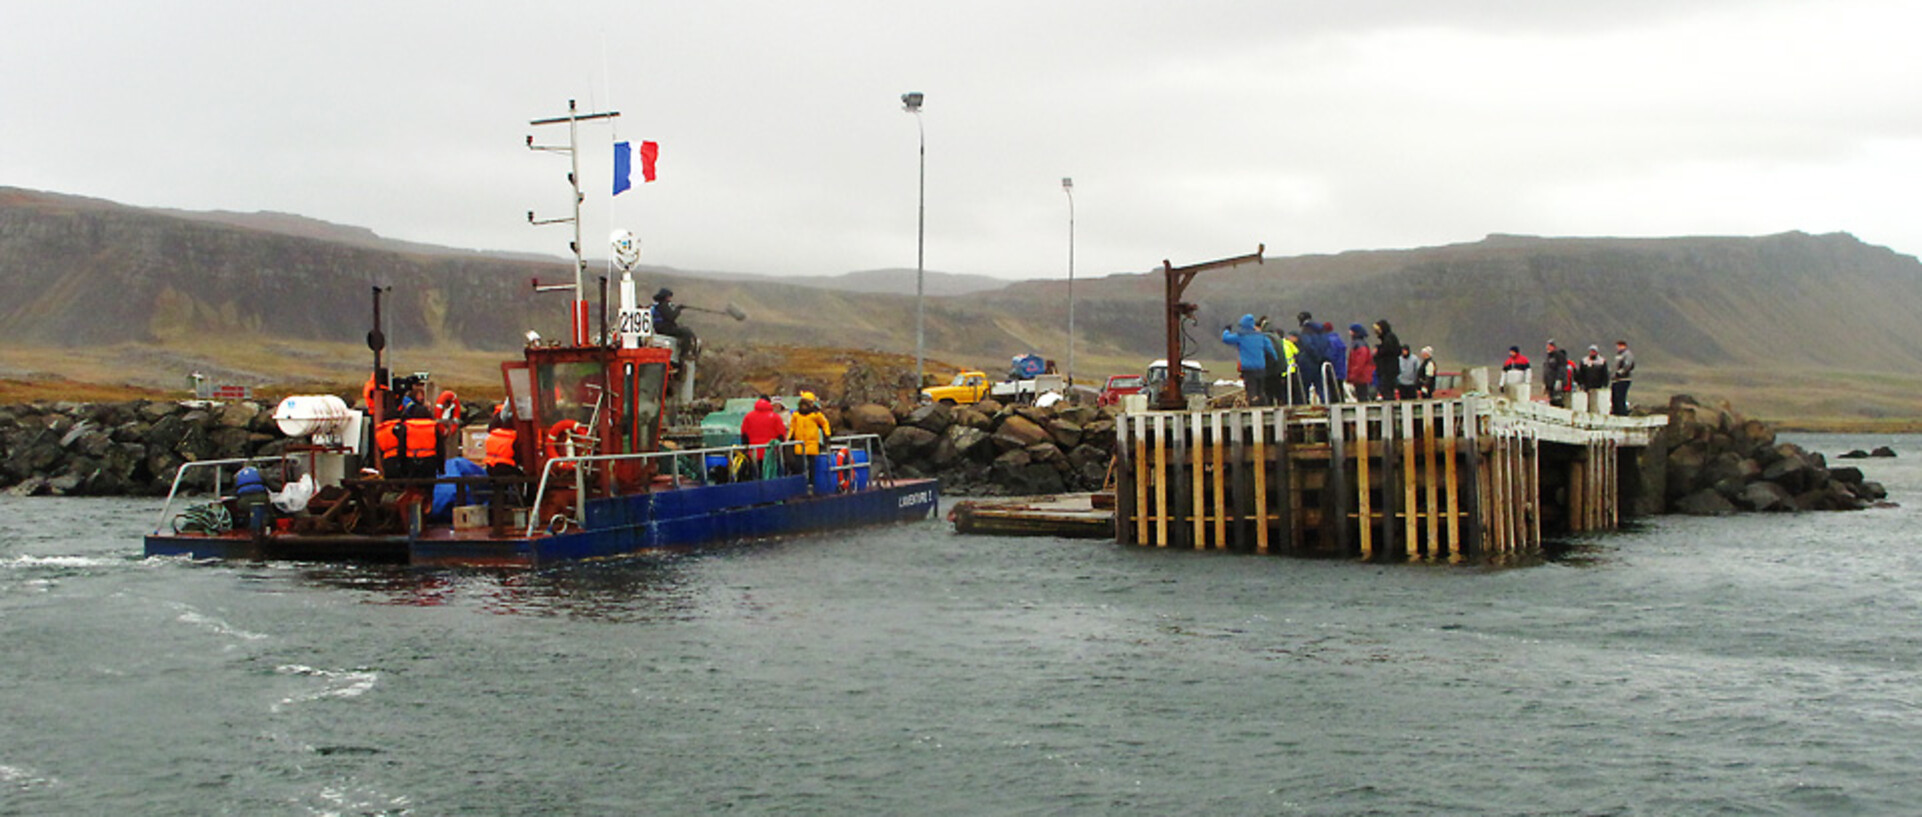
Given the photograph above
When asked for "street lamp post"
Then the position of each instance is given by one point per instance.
(1067, 186)
(911, 102)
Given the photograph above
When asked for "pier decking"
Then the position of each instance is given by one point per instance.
(1464, 479)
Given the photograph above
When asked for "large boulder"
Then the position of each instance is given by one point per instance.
(934, 417)
(870, 418)
(1705, 502)
(1090, 465)
(1065, 434)
(1017, 431)
(236, 415)
(1791, 471)
(906, 443)
(969, 442)
(1765, 496)
(973, 418)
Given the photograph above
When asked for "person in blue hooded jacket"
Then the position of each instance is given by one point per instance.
(1314, 352)
(1338, 356)
(1254, 350)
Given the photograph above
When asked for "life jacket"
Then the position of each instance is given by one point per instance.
(422, 441)
(386, 440)
(499, 449)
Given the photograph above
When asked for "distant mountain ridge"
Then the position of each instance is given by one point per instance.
(77, 270)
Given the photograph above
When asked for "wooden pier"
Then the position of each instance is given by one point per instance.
(1467, 479)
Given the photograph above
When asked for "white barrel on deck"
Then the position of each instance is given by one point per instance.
(304, 415)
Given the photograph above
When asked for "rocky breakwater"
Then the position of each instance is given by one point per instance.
(1721, 462)
(988, 449)
(121, 449)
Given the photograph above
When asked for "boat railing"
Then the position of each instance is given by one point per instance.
(870, 444)
(216, 465)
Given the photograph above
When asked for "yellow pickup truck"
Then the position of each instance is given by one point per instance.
(972, 386)
(967, 387)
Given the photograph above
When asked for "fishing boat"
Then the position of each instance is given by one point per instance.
(597, 477)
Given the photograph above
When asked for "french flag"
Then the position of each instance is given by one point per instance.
(624, 164)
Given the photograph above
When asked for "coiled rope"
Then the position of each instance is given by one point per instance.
(209, 518)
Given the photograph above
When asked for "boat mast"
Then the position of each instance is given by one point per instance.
(573, 120)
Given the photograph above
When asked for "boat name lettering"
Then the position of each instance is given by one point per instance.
(916, 498)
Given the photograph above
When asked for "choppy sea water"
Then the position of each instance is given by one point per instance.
(1748, 665)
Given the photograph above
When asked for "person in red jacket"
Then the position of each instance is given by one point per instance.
(1361, 363)
(762, 426)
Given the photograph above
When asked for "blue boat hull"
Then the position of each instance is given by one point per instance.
(616, 526)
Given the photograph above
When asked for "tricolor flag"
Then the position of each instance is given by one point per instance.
(624, 164)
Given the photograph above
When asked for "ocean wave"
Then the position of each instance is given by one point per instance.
(59, 561)
(189, 615)
(17, 779)
(337, 683)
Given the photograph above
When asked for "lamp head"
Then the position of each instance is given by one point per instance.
(911, 101)
(1067, 184)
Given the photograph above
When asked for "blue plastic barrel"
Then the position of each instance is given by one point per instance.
(860, 462)
(824, 473)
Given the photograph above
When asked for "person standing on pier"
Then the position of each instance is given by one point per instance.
(1425, 374)
(1338, 356)
(1405, 381)
(1275, 384)
(1387, 360)
(1618, 385)
(1361, 364)
(1591, 373)
(1314, 352)
(1515, 368)
(1253, 350)
(1555, 374)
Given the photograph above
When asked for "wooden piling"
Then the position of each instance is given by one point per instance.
(1460, 480)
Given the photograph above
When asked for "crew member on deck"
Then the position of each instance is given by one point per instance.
(419, 439)
(809, 430)
(762, 426)
(447, 418)
(667, 321)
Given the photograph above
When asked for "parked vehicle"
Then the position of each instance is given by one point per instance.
(1118, 385)
(972, 386)
(966, 387)
(1194, 379)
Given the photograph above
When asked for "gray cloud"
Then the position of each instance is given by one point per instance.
(1192, 132)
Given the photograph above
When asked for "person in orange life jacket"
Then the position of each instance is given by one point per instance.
(1515, 368)
(809, 430)
(497, 453)
(762, 426)
(419, 439)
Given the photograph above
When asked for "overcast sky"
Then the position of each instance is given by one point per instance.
(1192, 130)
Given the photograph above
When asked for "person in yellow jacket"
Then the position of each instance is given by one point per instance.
(809, 430)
